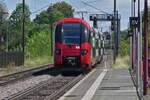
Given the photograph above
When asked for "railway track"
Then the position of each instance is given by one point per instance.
(48, 90)
(4, 80)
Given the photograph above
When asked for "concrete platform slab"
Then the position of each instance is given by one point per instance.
(117, 85)
(112, 85)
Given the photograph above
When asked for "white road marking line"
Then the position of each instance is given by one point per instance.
(72, 89)
(90, 93)
(125, 91)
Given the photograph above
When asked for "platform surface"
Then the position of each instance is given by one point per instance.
(102, 84)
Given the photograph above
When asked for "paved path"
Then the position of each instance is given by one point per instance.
(101, 84)
(116, 85)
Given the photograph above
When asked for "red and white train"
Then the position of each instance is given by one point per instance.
(77, 45)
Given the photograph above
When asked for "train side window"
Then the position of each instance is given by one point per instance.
(58, 33)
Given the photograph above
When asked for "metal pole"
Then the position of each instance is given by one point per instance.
(114, 30)
(82, 13)
(23, 30)
(117, 29)
(1, 19)
(131, 38)
(82, 16)
(140, 86)
(145, 60)
(141, 78)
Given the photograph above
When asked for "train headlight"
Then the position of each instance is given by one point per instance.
(84, 52)
(57, 51)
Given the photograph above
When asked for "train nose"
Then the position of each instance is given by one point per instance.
(71, 60)
(71, 50)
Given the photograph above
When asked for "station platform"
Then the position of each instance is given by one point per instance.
(103, 84)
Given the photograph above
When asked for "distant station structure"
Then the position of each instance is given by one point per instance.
(115, 26)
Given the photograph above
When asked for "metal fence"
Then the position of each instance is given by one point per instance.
(11, 51)
(7, 58)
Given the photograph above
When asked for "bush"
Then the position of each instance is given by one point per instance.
(38, 44)
(124, 46)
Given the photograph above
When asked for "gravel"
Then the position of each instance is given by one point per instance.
(10, 89)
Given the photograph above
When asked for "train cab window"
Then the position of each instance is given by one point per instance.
(85, 34)
(58, 33)
(71, 33)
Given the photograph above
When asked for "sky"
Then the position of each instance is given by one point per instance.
(123, 6)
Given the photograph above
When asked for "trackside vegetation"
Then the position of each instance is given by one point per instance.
(38, 31)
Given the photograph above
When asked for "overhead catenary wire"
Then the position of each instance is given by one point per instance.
(80, 11)
(92, 1)
(77, 8)
(94, 7)
(40, 9)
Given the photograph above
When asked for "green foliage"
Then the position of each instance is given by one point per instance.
(15, 26)
(64, 8)
(42, 18)
(54, 12)
(37, 32)
(124, 46)
(39, 43)
(3, 25)
(56, 16)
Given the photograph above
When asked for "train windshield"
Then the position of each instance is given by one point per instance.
(71, 33)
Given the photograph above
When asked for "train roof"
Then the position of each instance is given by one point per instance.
(74, 20)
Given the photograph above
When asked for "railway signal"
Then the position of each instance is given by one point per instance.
(112, 25)
(95, 22)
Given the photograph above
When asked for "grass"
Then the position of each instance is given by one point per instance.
(38, 61)
(122, 62)
(29, 64)
(9, 68)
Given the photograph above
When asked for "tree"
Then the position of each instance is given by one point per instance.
(39, 38)
(42, 18)
(3, 26)
(54, 12)
(64, 8)
(3, 12)
(55, 17)
(16, 26)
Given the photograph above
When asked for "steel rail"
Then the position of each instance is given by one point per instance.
(27, 91)
(4, 80)
(54, 96)
(64, 89)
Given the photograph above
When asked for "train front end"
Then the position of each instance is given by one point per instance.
(72, 47)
